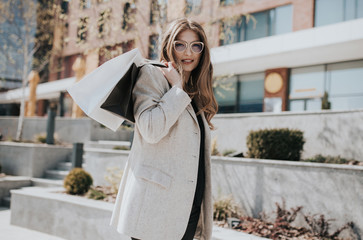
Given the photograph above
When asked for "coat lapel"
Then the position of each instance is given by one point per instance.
(191, 112)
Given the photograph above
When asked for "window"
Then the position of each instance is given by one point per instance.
(225, 91)
(281, 19)
(258, 28)
(83, 4)
(334, 11)
(127, 46)
(129, 12)
(64, 6)
(158, 11)
(257, 25)
(82, 30)
(154, 46)
(103, 23)
(230, 31)
(193, 7)
(229, 2)
(343, 82)
(109, 52)
(241, 93)
(251, 92)
(306, 88)
(345, 85)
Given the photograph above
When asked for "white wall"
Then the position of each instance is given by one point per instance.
(325, 132)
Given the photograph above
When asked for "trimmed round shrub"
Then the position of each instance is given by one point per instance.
(281, 144)
(78, 181)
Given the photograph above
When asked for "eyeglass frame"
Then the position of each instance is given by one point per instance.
(188, 45)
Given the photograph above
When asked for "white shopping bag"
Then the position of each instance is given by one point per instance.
(95, 88)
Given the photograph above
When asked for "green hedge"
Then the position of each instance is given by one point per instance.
(281, 144)
(329, 159)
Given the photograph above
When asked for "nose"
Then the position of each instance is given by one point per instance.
(188, 51)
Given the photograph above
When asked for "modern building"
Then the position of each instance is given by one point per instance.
(15, 30)
(268, 55)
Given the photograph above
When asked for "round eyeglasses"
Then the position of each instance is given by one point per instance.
(181, 46)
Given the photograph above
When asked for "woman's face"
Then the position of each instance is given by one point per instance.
(189, 57)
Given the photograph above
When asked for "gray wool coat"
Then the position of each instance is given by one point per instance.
(157, 188)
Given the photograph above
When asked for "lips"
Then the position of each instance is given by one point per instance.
(187, 61)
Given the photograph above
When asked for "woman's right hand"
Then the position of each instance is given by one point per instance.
(172, 75)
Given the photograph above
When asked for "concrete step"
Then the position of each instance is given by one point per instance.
(108, 144)
(64, 166)
(42, 182)
(56, 174)
(5, 201)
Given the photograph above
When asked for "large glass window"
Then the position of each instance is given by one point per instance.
(333, 11)
(243, 93)
(360, 9)
(258, 28)
(261, 24)
(282, 20)
(230, 31)
(251, 92)
(343, 82)
(225, 91)
(345, 85)
(306, 88)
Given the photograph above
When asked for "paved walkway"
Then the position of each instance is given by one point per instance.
(11, 232)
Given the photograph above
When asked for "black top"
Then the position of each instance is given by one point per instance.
(198, 197)
(199, 190)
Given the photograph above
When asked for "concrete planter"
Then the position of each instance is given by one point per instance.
(73, 218)
(70, 217)
(10, 182)
(31, 160)
(99, 161)
(330, 189)
(334, 190)
(67, 129)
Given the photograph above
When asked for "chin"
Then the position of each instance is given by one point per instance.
(188, 68)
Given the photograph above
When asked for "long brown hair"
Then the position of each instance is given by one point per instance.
(199, 86)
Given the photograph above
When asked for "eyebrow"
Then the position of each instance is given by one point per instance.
(186, 41)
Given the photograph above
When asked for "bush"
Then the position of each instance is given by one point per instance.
(114, 178)
(96, 194)
(226, 207)
(228, 152)
(78, 181)
(40, 138)
(214, 149)
(327, 159)
(121, 148)
(282, 144)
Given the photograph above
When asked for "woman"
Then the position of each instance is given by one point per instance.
(165, 192)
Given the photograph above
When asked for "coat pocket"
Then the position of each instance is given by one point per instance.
(154, 175)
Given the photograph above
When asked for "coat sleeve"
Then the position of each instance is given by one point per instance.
(156, 107)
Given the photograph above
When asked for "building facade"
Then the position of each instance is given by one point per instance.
(268, 55)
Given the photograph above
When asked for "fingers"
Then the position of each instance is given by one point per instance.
(169, 64)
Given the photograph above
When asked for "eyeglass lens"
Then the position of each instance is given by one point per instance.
(196, 47)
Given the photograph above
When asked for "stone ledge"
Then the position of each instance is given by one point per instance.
(48, 210)
(286, 163)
